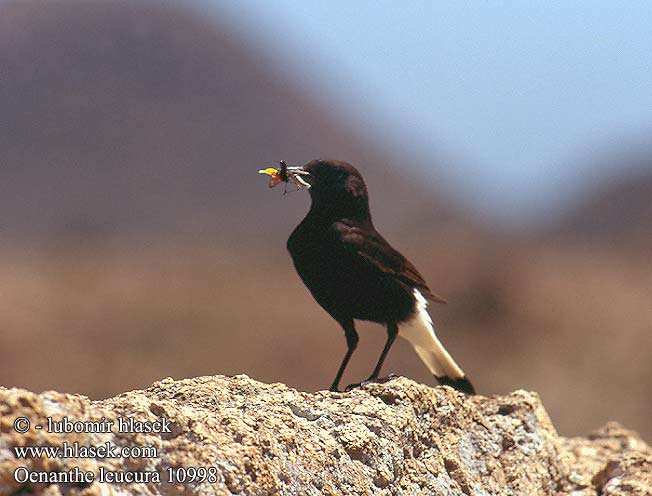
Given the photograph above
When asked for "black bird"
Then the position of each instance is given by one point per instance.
(353, 273)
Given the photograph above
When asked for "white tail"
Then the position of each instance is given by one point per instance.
(421, 334)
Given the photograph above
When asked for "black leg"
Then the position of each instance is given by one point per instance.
(352, 343)
(392, 332)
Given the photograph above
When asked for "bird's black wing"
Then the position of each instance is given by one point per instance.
(371, 248)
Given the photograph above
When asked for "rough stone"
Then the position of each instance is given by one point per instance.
(388, 439)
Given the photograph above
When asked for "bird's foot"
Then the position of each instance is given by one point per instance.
(371, 380)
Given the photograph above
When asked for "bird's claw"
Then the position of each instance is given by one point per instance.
(387, 378)
(371, 380)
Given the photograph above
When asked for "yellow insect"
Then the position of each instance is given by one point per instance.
(285, 174)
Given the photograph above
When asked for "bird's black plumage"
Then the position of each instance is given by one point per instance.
(349, 268)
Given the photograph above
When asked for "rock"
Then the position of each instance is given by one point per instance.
(234, 435)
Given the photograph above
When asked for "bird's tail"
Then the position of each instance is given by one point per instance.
(421, 334)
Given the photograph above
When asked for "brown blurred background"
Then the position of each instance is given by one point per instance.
(137, 241)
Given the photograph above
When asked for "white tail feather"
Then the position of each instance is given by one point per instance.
(421, 334)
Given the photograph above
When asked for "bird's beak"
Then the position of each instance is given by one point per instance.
(299, 176)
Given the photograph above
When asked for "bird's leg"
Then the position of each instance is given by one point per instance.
(352, 343)
(392, 332)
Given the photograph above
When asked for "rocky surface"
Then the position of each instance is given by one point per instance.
(252, 438)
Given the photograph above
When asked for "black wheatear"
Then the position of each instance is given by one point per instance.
(353, 273)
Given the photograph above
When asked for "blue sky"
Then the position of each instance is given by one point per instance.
(519, 96)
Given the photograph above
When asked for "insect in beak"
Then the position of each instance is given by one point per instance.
(275, 176)
(287, 174)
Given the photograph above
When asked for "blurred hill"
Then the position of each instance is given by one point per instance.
(141, 117)
(617, 209)
(137, 241)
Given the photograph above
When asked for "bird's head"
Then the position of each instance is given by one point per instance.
(336, 187)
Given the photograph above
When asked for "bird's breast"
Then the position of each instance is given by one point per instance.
(344, 284)
(310, 251)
